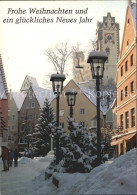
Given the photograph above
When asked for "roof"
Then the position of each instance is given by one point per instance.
(18, 98)
(132, 7)
(41, 94)
(91, 95)
(3, 84)
(32, 80)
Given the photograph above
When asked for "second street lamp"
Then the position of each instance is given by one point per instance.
(97, 60)
(71, 98)
(57, 84)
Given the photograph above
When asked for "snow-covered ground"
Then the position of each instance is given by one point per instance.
(119, 177)
(21, 180)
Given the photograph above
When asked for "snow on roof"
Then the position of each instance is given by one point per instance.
(3, 84)
(18, 98)
(133, 13)
(41, 94)
(32, 80)
(91, 95)
(2, 89)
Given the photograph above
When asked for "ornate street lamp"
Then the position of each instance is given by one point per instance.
(71, 98)
(97, 60)
(57, 85)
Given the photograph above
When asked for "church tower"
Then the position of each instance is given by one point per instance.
(107, 36)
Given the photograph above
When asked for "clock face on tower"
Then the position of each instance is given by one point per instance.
(109, 37)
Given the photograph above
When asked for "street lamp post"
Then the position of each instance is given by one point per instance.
(71, 98)
(97, 60)
(57, 85)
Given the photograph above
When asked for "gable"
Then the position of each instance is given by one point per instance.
(29, 98)
(18, 99)
(28, 81)
(129, 31)
(85, 92)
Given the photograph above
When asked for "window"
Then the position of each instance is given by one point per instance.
(131, 60)
(61, 113)
(127, 43)
(61, 124)
(94, 123)
(12, 127)
(28, 105)
(82, 111)
(122, 71)
(82, 123)
(25, 117)
(13, 117)
(126, 66)
(128, 21)
(132, 117)
(30, 117)
(33, 105)
(8, 117)
(21, 140)
(121, 121)
(30, 94)
(132, 87)
(127, 120)
(121, 95)
(37, 116)
(126, 91)
(9, 137)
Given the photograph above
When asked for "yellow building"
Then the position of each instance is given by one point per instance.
(84, 109)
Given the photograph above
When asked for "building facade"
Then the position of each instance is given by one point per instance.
(3, 106)
(84, 109)
(127, 85)
(30, 112)
(15, 102)
(28, 81)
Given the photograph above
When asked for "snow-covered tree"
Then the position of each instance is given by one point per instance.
(79, 135)
(105, 147)
(71, 157)
(87, 142)
(44, 129)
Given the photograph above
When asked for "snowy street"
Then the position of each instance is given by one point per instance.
(20, 180)
(119, 177)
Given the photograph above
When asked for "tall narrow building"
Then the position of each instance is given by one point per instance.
(107, 36)
(3, 106)
(127, 85)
